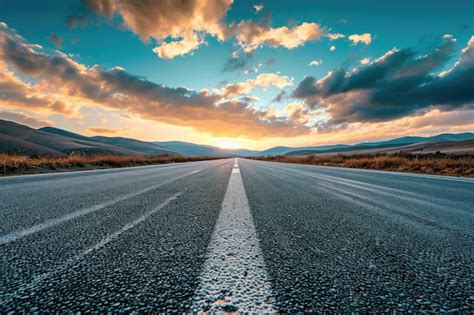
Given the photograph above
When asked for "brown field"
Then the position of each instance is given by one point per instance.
(440, 164)
(22, 164)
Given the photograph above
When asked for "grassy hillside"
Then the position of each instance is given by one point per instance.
(22, 164)
(441, 164)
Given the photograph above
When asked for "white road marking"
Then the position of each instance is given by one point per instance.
(128, 226)
(15, 235)
(234, 277)
(109, 238)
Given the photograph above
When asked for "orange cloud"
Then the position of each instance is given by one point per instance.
(251, 35)
(334, 36)
(62, 79)
(264, 80)
(184, 24)
(298, 112)
(190, 42)
(258, 7)
(15, 93)
(104, 130)
(365, 38)
(25, 119)
(181, 21)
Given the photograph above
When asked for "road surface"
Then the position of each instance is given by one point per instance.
(236, 235)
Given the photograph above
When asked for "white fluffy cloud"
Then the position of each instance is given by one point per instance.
(316, 62)
(365, 38)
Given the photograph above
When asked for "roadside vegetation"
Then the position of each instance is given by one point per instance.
(438, 163)
(23, 164)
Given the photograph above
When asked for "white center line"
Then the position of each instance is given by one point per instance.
(15, 235)
(234, 277)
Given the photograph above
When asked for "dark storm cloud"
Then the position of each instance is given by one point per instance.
(397, 84)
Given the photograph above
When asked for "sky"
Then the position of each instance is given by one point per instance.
(251, 74)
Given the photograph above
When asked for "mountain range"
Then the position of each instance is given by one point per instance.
(21, 139)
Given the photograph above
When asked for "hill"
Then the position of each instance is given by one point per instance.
(444, 143)
(21, 139)
(131, 146)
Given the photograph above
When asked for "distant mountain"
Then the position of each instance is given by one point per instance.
(405, 144)
(188, 148)
(287, 150)
(17, 138)
(193, 149)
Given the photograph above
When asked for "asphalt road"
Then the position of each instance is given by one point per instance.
(236, 236)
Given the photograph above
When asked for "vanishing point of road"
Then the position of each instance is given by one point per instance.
(236, 235)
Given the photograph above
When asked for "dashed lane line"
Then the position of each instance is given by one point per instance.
(109, 238)
(16, 235)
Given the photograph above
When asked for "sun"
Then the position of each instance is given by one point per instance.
(227, 143)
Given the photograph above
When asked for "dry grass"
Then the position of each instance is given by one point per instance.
(440, 164)
(22, 164)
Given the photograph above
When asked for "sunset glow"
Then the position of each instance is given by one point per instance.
(227, 143)
(228, 74)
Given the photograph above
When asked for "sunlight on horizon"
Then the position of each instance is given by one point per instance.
(227, 143)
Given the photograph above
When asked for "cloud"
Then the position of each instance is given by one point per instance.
(395, 85)
(430, 123)
(15, 93)
(258, 7)
(184, 23)
(108, 131)
(25, 119)
(187, 44)
(279, 98)
(332, 48)
(334, 36)
(297, 112)
(316, 62)
(57, 40)
(252, 35)
(365, 38)
(61, 83)
(180, 27)
(76, 20)
(365, 60)
(264, 80)
(237, 60)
